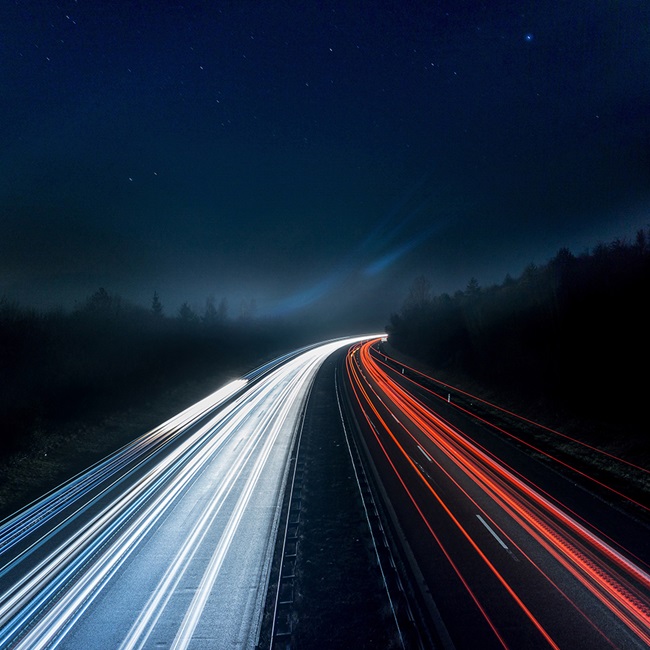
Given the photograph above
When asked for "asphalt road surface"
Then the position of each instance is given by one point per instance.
(168, 542)
(507, 551)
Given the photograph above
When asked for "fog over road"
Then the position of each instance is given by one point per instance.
(169, 541)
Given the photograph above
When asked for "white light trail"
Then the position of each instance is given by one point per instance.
(181, 504)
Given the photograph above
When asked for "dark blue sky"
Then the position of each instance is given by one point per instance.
(316, 155)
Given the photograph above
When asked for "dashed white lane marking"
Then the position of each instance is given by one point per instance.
(492, 532)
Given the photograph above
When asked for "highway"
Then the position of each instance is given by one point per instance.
(168, 542)
(506, 551)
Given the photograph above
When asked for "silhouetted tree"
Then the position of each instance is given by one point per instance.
(104, 304)
(473, 289)
(419, 295)
(209, 316)
(156, 305)
(187, 314)
(560, 331)
(247, 309)
(641, 242)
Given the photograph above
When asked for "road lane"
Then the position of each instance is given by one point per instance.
(508, 563)
(169, 542)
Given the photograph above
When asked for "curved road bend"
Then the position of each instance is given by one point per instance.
(168, 542)
(514, 554)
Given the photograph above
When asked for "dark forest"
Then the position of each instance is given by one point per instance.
(77, 384)
(567, 338)
(564, 342)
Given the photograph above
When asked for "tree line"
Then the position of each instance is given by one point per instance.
(570, 335)
(108, 353)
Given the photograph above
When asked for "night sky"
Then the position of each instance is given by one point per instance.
(313, 155)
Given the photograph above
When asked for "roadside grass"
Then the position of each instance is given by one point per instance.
(58, 451)
(630, 446)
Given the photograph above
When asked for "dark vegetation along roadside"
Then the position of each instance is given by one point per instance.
(75, 386)
(565, 343)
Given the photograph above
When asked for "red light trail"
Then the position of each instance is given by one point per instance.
(445, 474)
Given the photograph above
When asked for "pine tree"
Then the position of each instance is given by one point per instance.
(156, 305)
(187, 314)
